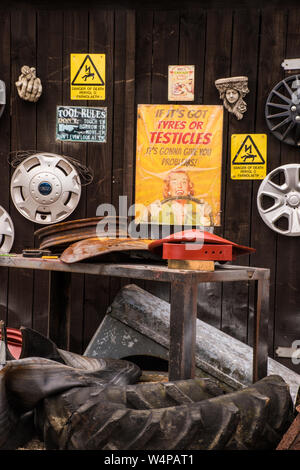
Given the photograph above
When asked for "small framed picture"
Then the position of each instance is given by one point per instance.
(181, 79)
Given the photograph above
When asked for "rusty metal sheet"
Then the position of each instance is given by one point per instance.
(291, 439)
(2, 345)
(64, 233)
(94, 247)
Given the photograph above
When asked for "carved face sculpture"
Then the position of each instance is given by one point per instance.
(232, 95)
(232, 90)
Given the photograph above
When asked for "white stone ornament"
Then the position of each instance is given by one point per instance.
(232, 91)
(28, 85)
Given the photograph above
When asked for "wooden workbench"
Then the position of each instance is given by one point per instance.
(183, 303)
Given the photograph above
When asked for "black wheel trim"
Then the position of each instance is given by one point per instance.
(291, 135)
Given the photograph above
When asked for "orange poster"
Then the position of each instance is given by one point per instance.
(178, 164)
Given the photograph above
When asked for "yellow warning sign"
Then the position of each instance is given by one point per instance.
(87, 76)
(248, 156)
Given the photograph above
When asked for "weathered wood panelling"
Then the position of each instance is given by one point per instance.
(101, 33)
(23, 136)
(5, 129)
(139, 44)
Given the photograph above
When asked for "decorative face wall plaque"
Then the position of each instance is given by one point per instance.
(232, 91)
(29, 86)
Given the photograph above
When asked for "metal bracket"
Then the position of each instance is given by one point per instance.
(2, 345)
(2, 97)
(291, 64)
(288, 352)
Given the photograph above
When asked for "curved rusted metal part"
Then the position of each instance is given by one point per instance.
(94, 247)
(64, 233)
(196, 235)
(291, 439)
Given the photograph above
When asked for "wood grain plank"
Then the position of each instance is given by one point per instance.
(23, 137)
(75, 40)
(272, 45)
(5, 49)
(124, 116)
(165, 52)
(143, 69)
(49, 69)
(237, 213)
(99, 158)
(287, 315)
(143, 66)
(193, 32)
(217, 65)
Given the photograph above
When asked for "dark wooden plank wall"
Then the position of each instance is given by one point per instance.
(139, 44)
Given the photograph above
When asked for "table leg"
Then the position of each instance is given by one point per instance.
(59, 308)
(183, 317)
(261, 321)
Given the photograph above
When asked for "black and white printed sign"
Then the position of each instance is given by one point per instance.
(81, 124)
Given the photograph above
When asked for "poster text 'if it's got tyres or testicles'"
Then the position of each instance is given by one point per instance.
(178, 164)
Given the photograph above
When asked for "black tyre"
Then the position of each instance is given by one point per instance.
(92, 404)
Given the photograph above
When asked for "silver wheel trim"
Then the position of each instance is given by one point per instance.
(7, 232)
(286, 199)
(56, 172)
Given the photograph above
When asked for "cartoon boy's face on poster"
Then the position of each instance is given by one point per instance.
(178, 167)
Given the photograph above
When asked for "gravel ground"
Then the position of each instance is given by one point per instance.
(34, 444)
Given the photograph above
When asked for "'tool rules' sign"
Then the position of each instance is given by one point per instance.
(81, 124)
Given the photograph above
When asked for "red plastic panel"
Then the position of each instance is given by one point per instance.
(201, 236)
(14, 341)
(189, 251)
